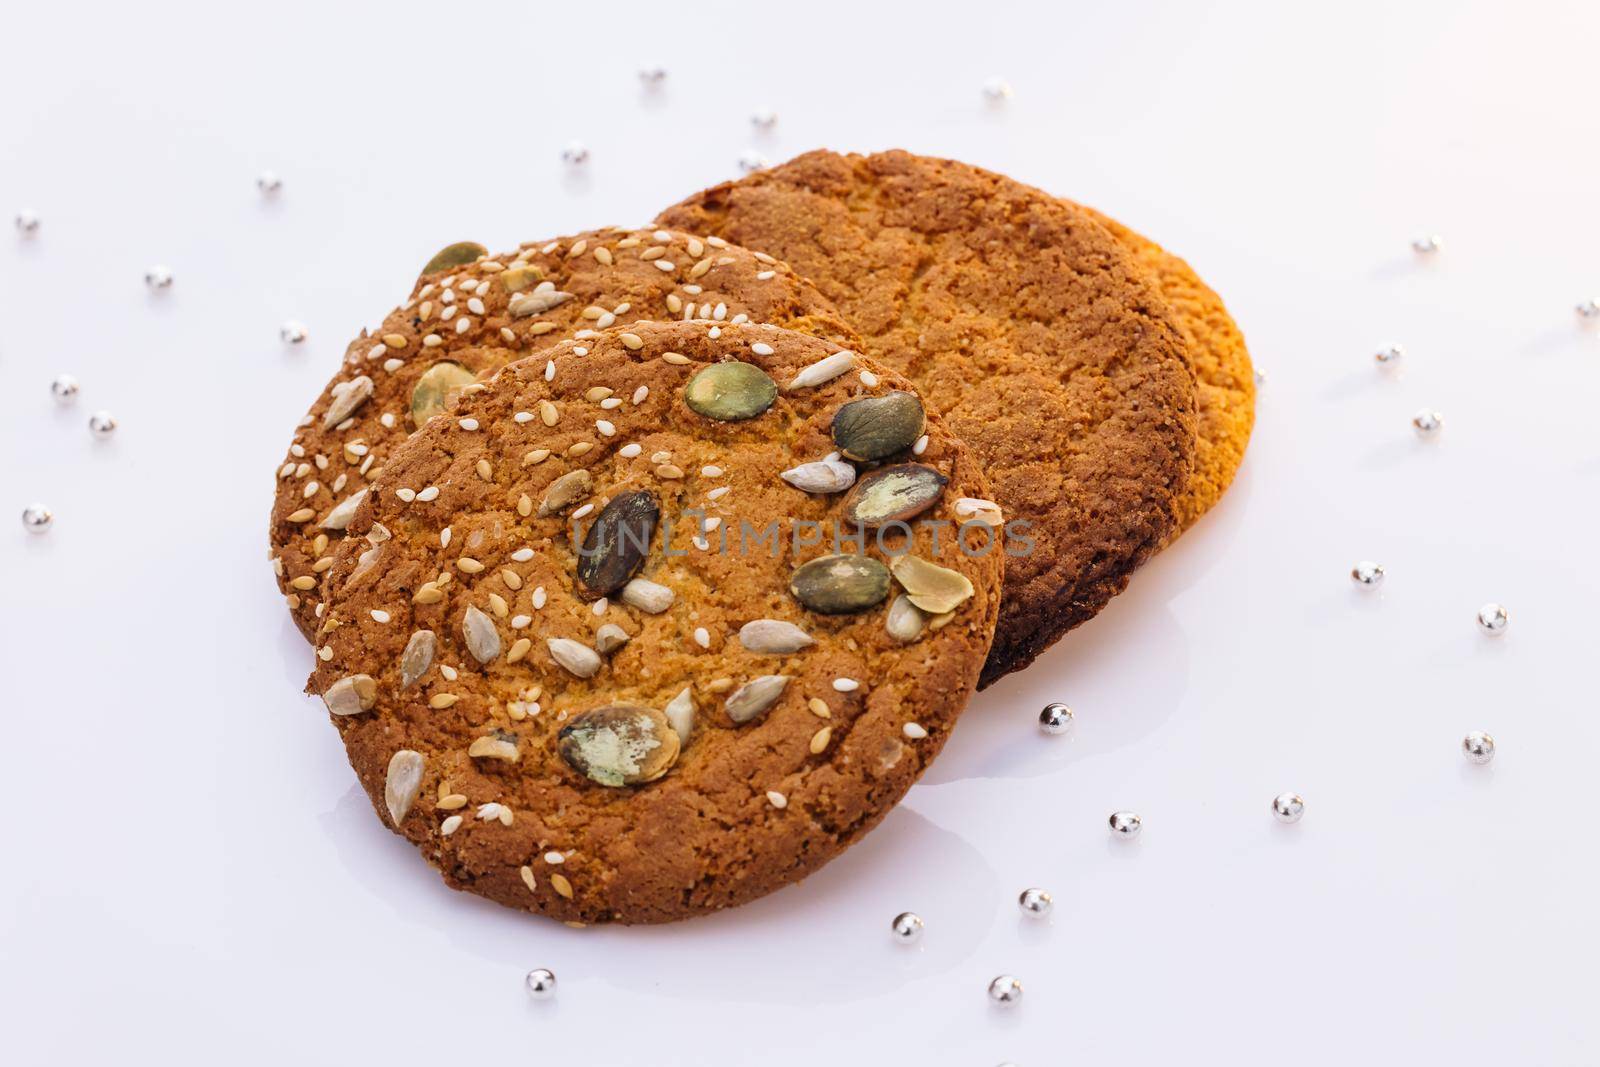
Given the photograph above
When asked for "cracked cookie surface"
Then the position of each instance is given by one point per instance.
(479, 312)
(1027, 325)
(597, 732)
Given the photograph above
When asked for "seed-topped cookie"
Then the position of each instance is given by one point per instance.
(1224, 378)
(1022, 321)
(469, 315)
(661, 620)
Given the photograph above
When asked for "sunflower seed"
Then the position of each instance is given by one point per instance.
(417, 658)
(680, 714)
(457, 255)
(498, 745)
(519, 278)
(339, 518)
(351, 695)
(439, 384)
(830, 475)
(575, 656)
(904, 621)
(754, 697)
(483, 640)
(620, 744)
(402, 783)
(823, 370)
(540, 299)
(935, 589)
(841, 584)
(647, 596)
(730, 392)
(609, 638)
(980, 510)
(773, 636)
(877, 427)
(347, 396)
(616, 545)
(893, 494)
(565, 491)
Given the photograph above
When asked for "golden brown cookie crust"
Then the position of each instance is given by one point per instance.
(613, 276)
(710, 833)
(1023, 321)
(1224, 378)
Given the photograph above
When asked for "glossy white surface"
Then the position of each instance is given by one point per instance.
(191, 874)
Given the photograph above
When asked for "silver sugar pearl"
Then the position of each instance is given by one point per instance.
(102, 424)
(1288, 807)
(1055, 719)
(1126, 824)
(64, 389)
(158, 277)
(653, 75)
(36, 518)
(27, 222)
(1427, 423)
(764, 120)
(1427, 244)
(292, 332)
(907, 927)
(269, 183)
(997, 89)
(576, 154)
(1005, 990)
(1367, 574)
(541, 983)
(1589, 309)
(751, 161)
(1478, 746)
(1035, 902)
(1389, 355)
(1493, 619)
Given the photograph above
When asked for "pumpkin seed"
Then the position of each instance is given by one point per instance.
(339, 518)
(457, 255)
(876, 427)
(831, 475)
(439, 384)
(609, 638)
(647, 596)
(347, 396)
(417, 658)
(754, 697)
(616, 545)
(893, 494)
(401, 783)
(620, 744)
(565, 491)
(498, 745)
(730, 391)
(935, 589)
(482, 639)
(351, 695)
(575, 656)
(904, 621)
(680, 714)
(773, 637)
(840, 585)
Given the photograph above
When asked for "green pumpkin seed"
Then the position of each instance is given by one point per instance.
(457, 255)
(439, 384)
(876, 427)
(840, 585)
(893, 494)
(620, 744)
(730, 392)
(616, 545)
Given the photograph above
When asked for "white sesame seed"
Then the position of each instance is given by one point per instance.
(664, 265)
(519, 622)
(711, 470)
(433, 340)
(914, 731)
(550, 370)
(408, 495)
(450, 826)
(554, 857)
(444, 537)
(606, 429)
(640, 393)
(579, 350)
(921, 446)
(702, 637)
(379, 615)
(475, 306)
(463, 324)
(846, 685)
(377, 351)
(599, 607)
(611, 403)
(522, 416)
(538, 598)
(448, 671)
(714, 333)
(718, 493)
(868, 379)
(765, 275)
(392, 365)
(777, 799)
(628, 451)
(583, 511)
(430, 493)
(719, 312)
(387, 419)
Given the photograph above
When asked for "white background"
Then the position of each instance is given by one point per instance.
(190, 873)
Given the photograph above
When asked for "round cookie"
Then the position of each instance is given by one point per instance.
(480, 312)
(1027, 325)
(474, 643)
(1224, 378)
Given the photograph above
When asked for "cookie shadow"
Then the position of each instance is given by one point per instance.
(906, 863)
